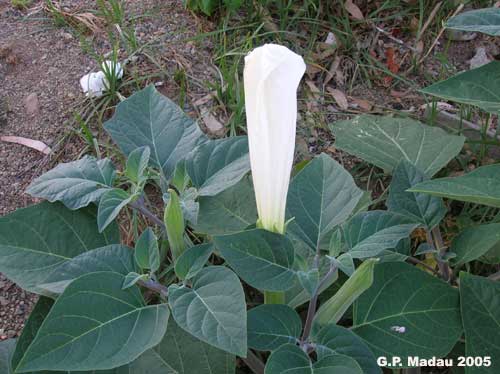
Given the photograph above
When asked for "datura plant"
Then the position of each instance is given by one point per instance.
(203, 256)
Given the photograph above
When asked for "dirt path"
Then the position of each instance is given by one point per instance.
(40, 68)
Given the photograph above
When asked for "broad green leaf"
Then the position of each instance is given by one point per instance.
(147, 254)
(334, 339)
(147, 363)
(174, 222)
(192, 260)
(213, 309)
(76, 184)
(479, 186)
(218, 164)
(480, 305)
(478, 87)
(132, 278)
(7, 348)
(230, 211)
(147, 118)
(422, 208)
(334, 308)
(116, 257)
(321, 196)
(76, 335)
(399, 253)
(385, 141)
(262, 258)
(485, 20)
(474, 242)
(110, 205)
(291, 359)
(36, 318)
(34, 241)
(185, 354)
(408, 312)
(137, 162)
(271, 326)
(367, 234)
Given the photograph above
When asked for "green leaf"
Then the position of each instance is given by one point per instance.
(334, 339)
(180, 179)
(36, 318)
(385, 141)
(402, 296)
(305, 261)
(479, 186)
(309, 280)
(7, 348)
(478, 87)
(185, 354)
(147, 254)
(474, 242)
(146, 363)
(262, 258)
(76, 184)
(132, 278)
(218, 164)
(190, 207)
(367, 234)
(110, 205)
(422, 208)
(116, 257)
(78, 336)
(270, 326)
(334, 308)
(35, 241)
(213, 309)
(492, 256)
(174, 222)
(399, 253)
(480, 305)
(230, 211)
(344, 263)
(137, 162)
(485, 20)
(147, 118)
(291, 359)
(321, 196)
(192, 260)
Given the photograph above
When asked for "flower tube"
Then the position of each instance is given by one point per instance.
(271, 76)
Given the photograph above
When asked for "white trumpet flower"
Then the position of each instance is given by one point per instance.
(271, 77)
(94, 84)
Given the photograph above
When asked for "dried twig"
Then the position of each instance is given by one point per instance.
(396, 40)
(428, 22)
(459, 8)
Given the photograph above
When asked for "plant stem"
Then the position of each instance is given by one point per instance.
(444, 269)
(155, 286)
(254, 363)
(141, 207)
(311, 311)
